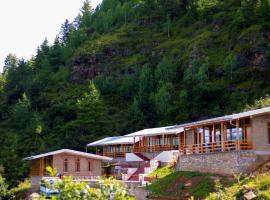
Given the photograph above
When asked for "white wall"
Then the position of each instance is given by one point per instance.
(166, 156)
(130, 172)
(130, 157)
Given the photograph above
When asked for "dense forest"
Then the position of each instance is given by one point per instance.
(129, 65)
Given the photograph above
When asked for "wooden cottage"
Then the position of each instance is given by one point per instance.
(66, 162)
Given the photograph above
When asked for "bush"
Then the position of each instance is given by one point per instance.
(259, 185)
(19, 191)
(81, 191)
(3, 188)
(260, 103)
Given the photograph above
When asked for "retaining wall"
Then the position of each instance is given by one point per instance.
(222, 162)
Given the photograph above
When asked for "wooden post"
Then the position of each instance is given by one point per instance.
(202, 140)
(184, 137)
(41, 170)
(214, 137)
(225, 136)
(222, 135)
(184, 142)
(163, 139)
(214, 133)
(179, 141)
(237, 135)
(193, 139)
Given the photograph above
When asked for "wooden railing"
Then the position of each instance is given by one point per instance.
(155, 148)
(113, 154)
(228, 145)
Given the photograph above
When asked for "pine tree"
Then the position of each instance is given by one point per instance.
(86, 12)
(92, 114)
(64, 32)
(11, 61)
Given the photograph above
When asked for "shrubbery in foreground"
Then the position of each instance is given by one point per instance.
(70, 189)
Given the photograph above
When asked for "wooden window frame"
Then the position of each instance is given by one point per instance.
(65, 165)
(89, 166)
(78, 165)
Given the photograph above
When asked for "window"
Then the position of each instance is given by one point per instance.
(176, 140)
(65, 167)
(268, 132)
(207, 135)
(218, 133)
(128, 148)
(77, 165)
(89, 166)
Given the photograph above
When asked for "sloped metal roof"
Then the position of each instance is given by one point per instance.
(69, 151)
(114, 140)
(224, 118)
(157, 131)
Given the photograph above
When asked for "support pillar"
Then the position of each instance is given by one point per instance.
(237, 135)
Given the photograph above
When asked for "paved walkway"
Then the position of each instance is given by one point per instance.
(139, 193)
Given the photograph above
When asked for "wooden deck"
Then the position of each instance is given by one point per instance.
(229, 145)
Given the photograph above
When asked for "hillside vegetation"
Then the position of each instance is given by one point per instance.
(132, 64)
(196, 185)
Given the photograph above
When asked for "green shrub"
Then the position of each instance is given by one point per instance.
(69, 189)
(3, 188)
(162, 172)
(19, 191)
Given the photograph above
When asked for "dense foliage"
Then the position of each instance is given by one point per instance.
(132, 64)
(69, 189)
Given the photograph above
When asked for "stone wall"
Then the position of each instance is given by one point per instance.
(222, 162)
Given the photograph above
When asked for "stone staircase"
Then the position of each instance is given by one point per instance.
(141, 170)
(135, 176)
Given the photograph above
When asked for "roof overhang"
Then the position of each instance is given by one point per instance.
(157, 131)
(114, 141)
(72, 152)
(223, 118)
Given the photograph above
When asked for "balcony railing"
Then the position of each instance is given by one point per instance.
(156, 148)
(228, 145)
(113, 154)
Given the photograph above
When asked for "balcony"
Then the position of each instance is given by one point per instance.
(228, 145)
(113, 154)
(155, 148)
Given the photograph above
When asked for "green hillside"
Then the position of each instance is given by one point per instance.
(133, 64)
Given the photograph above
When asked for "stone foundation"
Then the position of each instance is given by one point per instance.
(222, 162)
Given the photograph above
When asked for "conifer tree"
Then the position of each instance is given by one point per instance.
(11, 61)
(86, 12)
(64, 32)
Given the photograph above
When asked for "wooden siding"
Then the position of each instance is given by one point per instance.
(118, 150)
